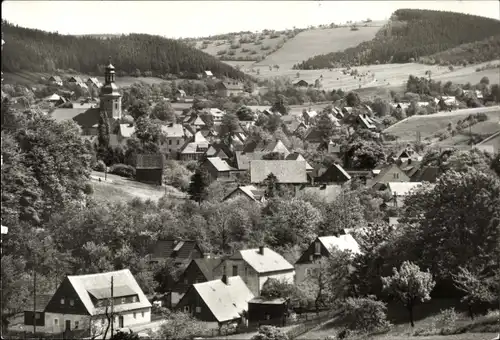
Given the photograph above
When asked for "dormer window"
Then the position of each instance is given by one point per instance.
(62, 301)
(317, 248)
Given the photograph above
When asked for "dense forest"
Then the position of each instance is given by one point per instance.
(40, 51)
(410, 35)
(475, 52)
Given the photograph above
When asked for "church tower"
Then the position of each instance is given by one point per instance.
(111, 99)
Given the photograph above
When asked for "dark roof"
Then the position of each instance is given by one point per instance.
(154, 161)
(207, 267)
(427, 174)
(42, 300)
(181, 249)
(89, 118)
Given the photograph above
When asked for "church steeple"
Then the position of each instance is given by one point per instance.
(111, 99)
(109, 75)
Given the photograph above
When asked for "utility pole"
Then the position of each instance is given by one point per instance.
(34, 296)
(112, 309)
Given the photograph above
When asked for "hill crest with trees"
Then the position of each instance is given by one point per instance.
(39, 51)
(410, 35)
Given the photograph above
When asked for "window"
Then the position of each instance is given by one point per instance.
(186, 281)
(246, 271)
(396, 175)
(198, 309)
(62, 301)
(169, 142)
(134, 299)
(235, 270)
(311, 257)
(317, 248)
(186, 309)
(71, 302)
(56, 322)
(142, 314)
(116, 106)
(38, 316)
(178, 142)
(135, 315)
(122, 300)
(77, 324)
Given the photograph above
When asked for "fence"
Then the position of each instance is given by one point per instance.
(303, 323)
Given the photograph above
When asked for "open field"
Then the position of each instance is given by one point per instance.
(466, 76)
(428, 125)
(120, 189)
(481, 129)
(310, 43)
(251, 49)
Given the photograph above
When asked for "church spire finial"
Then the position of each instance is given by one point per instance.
(109, 59)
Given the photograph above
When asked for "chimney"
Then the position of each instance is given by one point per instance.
(261, 250)
(224, 279)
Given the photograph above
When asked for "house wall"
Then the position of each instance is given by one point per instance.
(394, 174)
(245, 271)
(238, 193)
(171, 144)
(190, 301)
(191, 275)
(302, 271)
(112, 106)
(222, 92)
(149, 175)
(211, 170)
(259, 313)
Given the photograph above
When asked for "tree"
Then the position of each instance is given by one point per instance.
(476, 287)
(164, 111)
(166, 275)
(352, 99)
(325, 126)
(455, 222)
(179, 326)
(409, 285)
(245, 113)
(495, 164)
(199, 184)
(273, 188)
(229, 125)
(485, 80)
(139, 108)
(345, 212)
(149, 134)
(364, 314)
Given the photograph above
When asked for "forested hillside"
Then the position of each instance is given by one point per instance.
(39, 51)
(475, 52)
(409, 35)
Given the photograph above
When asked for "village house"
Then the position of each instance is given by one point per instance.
(198, 271)
(195, 121)
(216, 114)
(308, 116)
(82, 301)
(218, 169)
(248, 191)
(55, 80)
(286, 172)
(334, 174)
(256, 266)
(347, 110)
(301, 84)
(292, 125)
(179, 94)
(174, 138)
(149, 168)
(93, 82)
(208, 75)
(194, 149)
(405, 153)
(224, 301)
(220, 150)
(267, 147)
(366, 122)
(399, 191)
(391, 173)
(75, 80)
(181, 251)
(409, 167)
(321, 248)
(55, 99)
(295, 156)
(229, 88)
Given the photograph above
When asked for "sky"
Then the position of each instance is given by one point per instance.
(181, 19)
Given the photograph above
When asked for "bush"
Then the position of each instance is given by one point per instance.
(481, 117)
(123, 170)
(221, 52)
(270, 333)
(447, 319)
(100, 166)
(364, 314)
(265, 48)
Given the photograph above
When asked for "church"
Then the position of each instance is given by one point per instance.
(110, 102)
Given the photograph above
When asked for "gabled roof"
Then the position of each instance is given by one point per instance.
(171, 248)
(207, 266)
(267, 147)
(56, 78)
(249, 190)
(402, 189)
(75, 79)
(208, 73)
(295, 156)
(219, 164)
(122, 280)
(310, 114)
(42, 300)
(53, 98)
(181, 92)
(226, 301)
(198, 145)
(268, 262)
(341, 242)
(243, 159)
(366, 121)
(173, 130)
(384, 171)
(231, 85)
(292, 172)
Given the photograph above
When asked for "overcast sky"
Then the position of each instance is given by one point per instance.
(176, 19)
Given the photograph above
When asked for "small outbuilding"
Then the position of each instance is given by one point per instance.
(264, 311)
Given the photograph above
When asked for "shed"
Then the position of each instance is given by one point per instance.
(149, 168)
(263, 311)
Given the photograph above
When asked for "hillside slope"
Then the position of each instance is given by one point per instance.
(318, 41)
(409, 35)
(39, 51)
